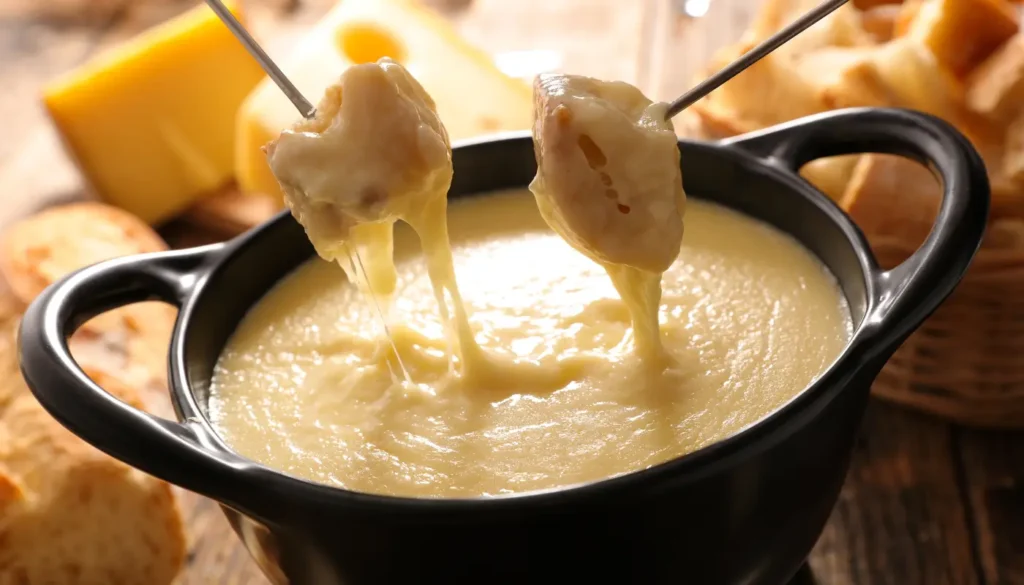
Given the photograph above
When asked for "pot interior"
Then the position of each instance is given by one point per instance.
(258, 260)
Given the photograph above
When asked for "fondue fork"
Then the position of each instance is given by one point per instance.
(306, 108)
(752, 56)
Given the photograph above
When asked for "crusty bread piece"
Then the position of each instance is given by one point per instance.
(892, 195)
(842, 28)
(880, 21)
(960, 33)
(847, 77)
(919, 81)
(831, 175)
(46, 246)
(907, 13)
(130, 343)
(916, 68)
(68, 513)
(769, 92)
(889, 195)
(995, 88)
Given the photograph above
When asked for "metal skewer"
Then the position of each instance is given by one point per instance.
(274, 72)
(307, 110)
(682, 102)
(752, 56)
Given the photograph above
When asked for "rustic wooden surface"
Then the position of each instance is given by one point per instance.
(926, 503)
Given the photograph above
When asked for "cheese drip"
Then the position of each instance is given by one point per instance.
(375, 153)
(608, 181)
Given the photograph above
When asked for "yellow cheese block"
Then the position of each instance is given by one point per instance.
(151, 123)
(473, 96)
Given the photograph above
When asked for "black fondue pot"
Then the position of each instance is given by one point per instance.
(744, 511)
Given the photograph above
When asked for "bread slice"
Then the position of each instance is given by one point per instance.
(71, 514)
(831, 175)
(847, 77)
(842, 28)
(44, 247)
(130, 343)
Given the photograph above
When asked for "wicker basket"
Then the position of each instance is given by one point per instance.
(966, 362)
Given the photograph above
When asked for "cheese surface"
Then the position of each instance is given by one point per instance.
(363, 31)
(151, 123)
(749, 317)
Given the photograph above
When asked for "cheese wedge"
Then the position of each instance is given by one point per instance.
(151, 123)
(472, 96)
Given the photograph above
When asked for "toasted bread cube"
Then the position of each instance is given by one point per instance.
(961, 33)
(831, 175)
(892, 195)
(907, 13)
(996, 88)
(880, 21)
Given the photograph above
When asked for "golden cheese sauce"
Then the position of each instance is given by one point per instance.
(748, 316)
(377, 152)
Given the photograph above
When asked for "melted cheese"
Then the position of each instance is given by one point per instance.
(608, 181)
(562, 380)
(375, 153)
(749, 318)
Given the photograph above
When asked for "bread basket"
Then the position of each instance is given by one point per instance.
(964, 363)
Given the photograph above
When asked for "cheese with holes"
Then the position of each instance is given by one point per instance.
(151, 123)
(473, 97)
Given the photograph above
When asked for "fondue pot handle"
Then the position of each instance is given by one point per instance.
(170, 450)
(910, 292)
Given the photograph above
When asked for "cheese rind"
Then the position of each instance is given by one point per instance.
(151, 123)
(472, 95)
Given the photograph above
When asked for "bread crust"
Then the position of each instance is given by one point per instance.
(69, 513)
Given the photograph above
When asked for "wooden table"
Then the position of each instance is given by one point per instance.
(926, 503)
